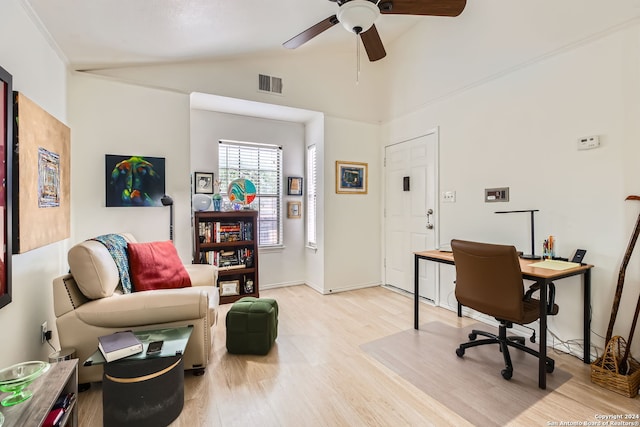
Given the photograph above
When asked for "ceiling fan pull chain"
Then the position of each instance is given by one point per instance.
(358, 59)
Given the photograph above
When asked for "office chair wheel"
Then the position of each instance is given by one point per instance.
(472, 336)
(550, 365)
(507, 373)
(460, 352)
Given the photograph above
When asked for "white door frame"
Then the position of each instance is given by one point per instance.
(436, 215)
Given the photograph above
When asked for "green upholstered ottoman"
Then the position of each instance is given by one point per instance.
(252, 325)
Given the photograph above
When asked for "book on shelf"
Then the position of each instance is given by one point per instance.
(232, 267)
(54, 418)
(119, 345)
(228, 259)
(222, 232)
(64, 401)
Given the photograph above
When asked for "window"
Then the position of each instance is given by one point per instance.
(311, 196)
(261, 164)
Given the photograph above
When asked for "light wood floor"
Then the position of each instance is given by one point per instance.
(317, 375)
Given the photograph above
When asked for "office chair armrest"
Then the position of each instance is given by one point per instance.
(552, 308)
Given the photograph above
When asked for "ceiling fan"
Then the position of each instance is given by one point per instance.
(358, 16)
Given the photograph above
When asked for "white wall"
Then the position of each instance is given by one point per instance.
(520, 130)
(320, 82)
(39, 74)
(108, 117)
(278, 267)
(353, 224)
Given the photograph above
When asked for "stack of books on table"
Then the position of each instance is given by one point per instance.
(119, 345)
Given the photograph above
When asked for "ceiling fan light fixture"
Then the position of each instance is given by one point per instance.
(358, 15)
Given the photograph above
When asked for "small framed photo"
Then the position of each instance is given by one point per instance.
(294, 209)
(351, 177)
(230, 287)
(295, 186)
(203, 182)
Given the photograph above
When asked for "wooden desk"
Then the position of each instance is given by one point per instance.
(543, 276)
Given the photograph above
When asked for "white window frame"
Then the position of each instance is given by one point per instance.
(312, 196)
(247, 148)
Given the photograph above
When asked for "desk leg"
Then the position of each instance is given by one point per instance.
(587, 316)
(542, 368)
(416, 285)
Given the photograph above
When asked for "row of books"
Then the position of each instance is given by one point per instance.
(61, 407)
(219, 232)
(229, 259)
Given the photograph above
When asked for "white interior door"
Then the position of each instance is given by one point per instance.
(410, 215)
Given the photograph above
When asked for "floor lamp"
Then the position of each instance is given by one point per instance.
(168, 201)
(533, 238)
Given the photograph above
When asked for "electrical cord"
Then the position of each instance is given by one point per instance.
(47, 337)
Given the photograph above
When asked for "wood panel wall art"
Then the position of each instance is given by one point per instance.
(42, 167)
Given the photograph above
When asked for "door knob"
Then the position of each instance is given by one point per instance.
(429, 224)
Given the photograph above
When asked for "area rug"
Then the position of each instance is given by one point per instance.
(471, 386)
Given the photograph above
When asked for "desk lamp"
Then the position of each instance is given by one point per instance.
(533, 246)
(168, 201)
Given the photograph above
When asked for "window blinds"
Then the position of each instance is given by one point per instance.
(261, 164)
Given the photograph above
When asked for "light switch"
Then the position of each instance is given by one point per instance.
(449, 196)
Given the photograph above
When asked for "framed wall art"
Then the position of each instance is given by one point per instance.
(134, 180)
(42, 177)
(294, 209)
(230, 287)
(351, 177)
(203, 182)
(6, 141)
(294, 186)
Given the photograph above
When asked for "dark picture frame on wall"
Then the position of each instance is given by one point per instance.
(134, 180)
(41, 200)
(294, 186)
(203, 182)
(6, 178)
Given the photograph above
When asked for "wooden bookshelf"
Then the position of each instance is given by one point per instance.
(229, 240)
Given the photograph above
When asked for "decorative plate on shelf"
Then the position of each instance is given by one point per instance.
(241, 191)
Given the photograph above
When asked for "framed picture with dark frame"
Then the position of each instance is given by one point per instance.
(203, 182)
(134, 180)
(294, 187)
(351, 177)
(6, 144)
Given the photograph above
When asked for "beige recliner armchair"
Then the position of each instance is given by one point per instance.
(89, 303)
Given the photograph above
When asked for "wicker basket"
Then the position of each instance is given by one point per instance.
(605, 370)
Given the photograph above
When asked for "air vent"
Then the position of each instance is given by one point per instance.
(264, 83)
(269, 84)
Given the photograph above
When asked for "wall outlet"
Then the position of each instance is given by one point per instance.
(496, 194)
(43, 332)
(449, 196)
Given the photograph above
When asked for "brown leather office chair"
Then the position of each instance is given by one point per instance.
(489, 280)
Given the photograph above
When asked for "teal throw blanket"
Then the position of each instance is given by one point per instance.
(117, 247)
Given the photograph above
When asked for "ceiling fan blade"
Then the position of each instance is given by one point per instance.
(310, 33)
(423, 7)
(373, 44)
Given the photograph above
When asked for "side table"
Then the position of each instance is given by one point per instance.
(145, 390)
(61, 378)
